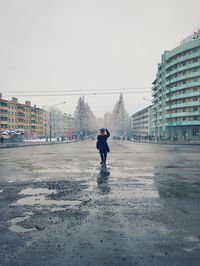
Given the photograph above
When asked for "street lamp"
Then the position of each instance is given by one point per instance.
(50, 118)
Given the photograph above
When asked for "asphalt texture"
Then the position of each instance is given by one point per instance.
(58, 206)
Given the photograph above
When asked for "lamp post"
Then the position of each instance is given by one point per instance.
(50, 118)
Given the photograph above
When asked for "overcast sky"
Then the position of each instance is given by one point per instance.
(74, 44)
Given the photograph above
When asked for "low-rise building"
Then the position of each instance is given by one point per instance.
(67, 125)
(30, 119)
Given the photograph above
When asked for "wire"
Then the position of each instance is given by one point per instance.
(75, 94)
(81, 90)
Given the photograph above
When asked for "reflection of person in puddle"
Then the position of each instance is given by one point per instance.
(102, 144)
(102, 180)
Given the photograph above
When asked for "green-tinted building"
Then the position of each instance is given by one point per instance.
(176, 92)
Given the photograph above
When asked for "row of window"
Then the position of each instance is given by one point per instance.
(184, 100)
(184, 91)
(26, 115)
(22, 108)
(183, 73)
(182, 110)
(184, 53)
(183, 64)
(183, 82)
(177, 119)
(25, 127)
(19, 107)
(25, 121)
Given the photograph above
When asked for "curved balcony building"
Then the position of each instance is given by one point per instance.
(176, 92)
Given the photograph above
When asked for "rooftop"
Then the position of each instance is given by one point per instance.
(193, 36)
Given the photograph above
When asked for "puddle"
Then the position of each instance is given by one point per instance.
(1, 190)
(189, 249)
(36, 191)
(38, 196)
(16, 228)
(42, 200)
(58, 209)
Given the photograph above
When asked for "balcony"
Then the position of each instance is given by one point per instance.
(183, 123)
(183, 114)
(20, 114)
(4, 111)
(182, 87)
(183, 58)
(183, 77)
(4, 118)
(184, 95)
(3, 104)
(3, 126)
(20, 120)
(181, 105)
(179, 69)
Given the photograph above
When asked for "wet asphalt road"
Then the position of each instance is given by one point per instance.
(59, 207)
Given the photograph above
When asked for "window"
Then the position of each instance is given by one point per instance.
(195, 99)
(195, 109)
(194, 117)
(184, 118)
(195, 132)
(183, 109)
(184, 132)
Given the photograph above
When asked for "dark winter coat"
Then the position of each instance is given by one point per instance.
(102, 144)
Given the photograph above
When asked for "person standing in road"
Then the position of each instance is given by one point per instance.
(102, 144)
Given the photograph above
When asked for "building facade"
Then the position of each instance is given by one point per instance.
(141, 123)
(30, 119)
(67, 128)
(176, 92)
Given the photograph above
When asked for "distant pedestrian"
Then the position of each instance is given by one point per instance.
(102, 144)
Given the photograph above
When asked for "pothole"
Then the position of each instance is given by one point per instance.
(38, 196)
(36, 191)
(16, 228)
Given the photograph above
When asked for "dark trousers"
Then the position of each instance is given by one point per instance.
(103, 156)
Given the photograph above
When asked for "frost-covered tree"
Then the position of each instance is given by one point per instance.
(119, 120)
(85, 121)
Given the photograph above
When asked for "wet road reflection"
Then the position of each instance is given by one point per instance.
(103, 180)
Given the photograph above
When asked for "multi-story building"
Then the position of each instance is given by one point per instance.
(67, 125)
(176, 91)
(141, 123)
(30, 119)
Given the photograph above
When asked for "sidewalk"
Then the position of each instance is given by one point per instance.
(31, 143)
(168, 142)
